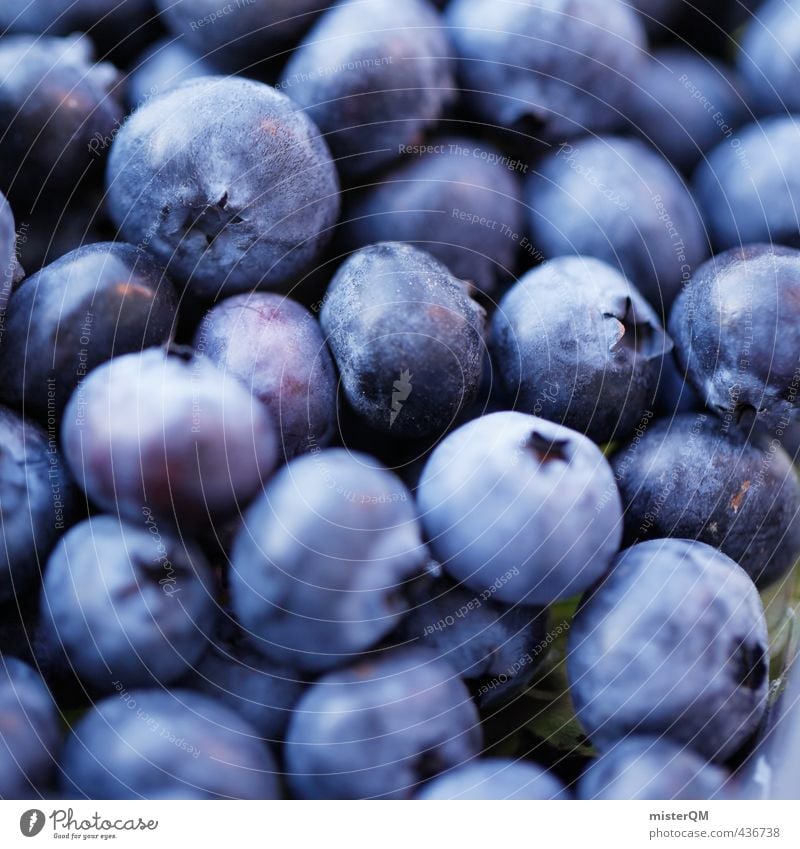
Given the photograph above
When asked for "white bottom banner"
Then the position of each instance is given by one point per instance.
(388, 825)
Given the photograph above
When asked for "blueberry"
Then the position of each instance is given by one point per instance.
(29, 732)
(768, 56)
(58, 109)
(619, 201)
(520, 508)
(276, 349)
(673, 642)
(696, 478)
(226, 182)
(373, 75)
(10, 270)
(575, 343)
(749, 187)
(685, 104)
(95, 303)
(118, 27)
(652, 768)
(462, 203)
(262, 693)
(157, 432)
(36, 500)
(126, 602)
(320, 564)
(163, 66)
(496, 648)
(555, 68)
(735, 330)
(158, 744)
(407, 338)
(380, 729)
(237, 37)
(495, 779)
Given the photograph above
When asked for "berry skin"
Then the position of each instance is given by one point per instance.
(672, 642)
(95, 303)
(441, 202)
(406, 337)
(29, 732)
(494, 647)
(276, 349)
(256, 30)
(54, 101)
(617, 200)
(693, 477)
(736, 334)
(685, 104)
(373, 75)
(379, 729)
(750, 191)
(225, 182)
(652, 768)
(573, 62)
(575, 343)
(320, 566)
(117, 28)
(36, 502)
(162, 67)
(125, 603)
(522, 508)
(159, 744)
(769, 54)
(495, 779)
(191, 446)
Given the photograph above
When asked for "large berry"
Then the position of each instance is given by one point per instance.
(407, 338)
(226, 182)
(575, 342)
(618, 200)
(159, 744)
(95, 303)
(380, 729)
(749, 186)
(321, 565)
(373, 75)
(276, 349)
(521, 508)
(126, 602)
(54, 103)
(556, 68)
(695, 477)
(461, 202)
(673, 642)
(157, 432)
(736, 328)
(685, 104)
